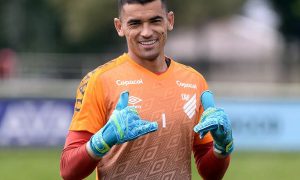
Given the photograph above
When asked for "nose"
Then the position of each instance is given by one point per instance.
(146, 31)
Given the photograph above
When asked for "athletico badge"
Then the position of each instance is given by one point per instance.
(190, 107)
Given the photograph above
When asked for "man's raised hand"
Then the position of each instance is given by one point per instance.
(123, 125)
(215, 121)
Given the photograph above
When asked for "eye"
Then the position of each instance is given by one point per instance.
(134, 23)
(156, 21)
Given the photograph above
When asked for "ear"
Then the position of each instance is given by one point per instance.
(170, 20)
(118, 26)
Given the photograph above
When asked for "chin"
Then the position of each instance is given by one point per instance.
(149, 56)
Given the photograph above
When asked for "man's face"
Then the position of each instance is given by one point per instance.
(145, 28)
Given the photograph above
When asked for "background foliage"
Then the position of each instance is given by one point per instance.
(74, 26)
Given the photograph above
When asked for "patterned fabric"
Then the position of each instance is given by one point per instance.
(171, 99)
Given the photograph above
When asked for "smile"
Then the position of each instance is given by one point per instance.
(148, 42)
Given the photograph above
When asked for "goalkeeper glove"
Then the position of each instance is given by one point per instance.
(123, 125)
(216, 121)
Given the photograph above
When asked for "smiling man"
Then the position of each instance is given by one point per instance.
(145, 27)
(141, 115)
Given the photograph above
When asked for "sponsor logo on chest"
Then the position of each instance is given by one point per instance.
(129, 82)
(186, 85)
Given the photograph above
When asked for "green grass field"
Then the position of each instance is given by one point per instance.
(36, 164)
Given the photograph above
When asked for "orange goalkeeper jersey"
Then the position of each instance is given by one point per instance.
(172, 99)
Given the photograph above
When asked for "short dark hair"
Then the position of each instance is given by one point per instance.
(121, 3)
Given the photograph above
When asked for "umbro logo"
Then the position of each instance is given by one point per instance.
(133, 101)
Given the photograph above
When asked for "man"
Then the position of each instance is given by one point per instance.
(134, 116)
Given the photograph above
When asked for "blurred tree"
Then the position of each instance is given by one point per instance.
(90, 24)
(28, 25)
(76, 26)
(194, 13)
(289, 12)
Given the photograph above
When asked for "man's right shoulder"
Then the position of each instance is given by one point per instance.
(104, 68)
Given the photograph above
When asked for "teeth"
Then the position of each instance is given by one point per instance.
(148, 42)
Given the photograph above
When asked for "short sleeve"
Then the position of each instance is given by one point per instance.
(89, 110)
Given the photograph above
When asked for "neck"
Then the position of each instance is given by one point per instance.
(157, 65)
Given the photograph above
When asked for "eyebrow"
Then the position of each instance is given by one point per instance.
(138, 21)
(133, 21)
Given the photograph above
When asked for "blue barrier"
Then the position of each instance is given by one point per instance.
(34, 122)
(257, 124)
(264, 124)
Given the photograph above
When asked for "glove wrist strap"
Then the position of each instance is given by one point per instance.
(98, 145)
(224, 150)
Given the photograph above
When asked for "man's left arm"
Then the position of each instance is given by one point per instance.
(213, 159)
(209, 165)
